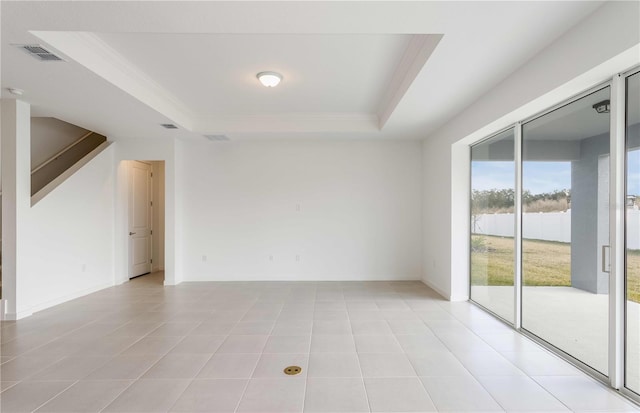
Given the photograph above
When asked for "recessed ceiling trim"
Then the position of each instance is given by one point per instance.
(91, 52)
(217, 138)
(292, 122)
(415, 57)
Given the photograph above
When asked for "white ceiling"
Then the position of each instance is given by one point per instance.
(575, 121)
(216, 73)
(370, 70)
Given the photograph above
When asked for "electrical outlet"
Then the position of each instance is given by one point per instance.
(270, 257)
(204, 258)
(84, 267)
(298, 207)
(297, 258)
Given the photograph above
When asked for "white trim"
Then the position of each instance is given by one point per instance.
(438, 290)
(56, 301)
(517, 282)
(420, 48)
(92, 52)
(617, 209)
(288, 122)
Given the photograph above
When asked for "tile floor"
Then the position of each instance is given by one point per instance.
(222, 347)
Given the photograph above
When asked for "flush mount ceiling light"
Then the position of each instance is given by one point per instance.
(602, 107)
(269, 79)
(15, 91)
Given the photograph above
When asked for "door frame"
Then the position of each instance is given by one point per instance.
(136, 151)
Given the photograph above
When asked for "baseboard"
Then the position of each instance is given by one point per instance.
(437, 289)
(295, 277)
(60, 300)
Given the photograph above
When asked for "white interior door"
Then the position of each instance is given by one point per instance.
(139, 218)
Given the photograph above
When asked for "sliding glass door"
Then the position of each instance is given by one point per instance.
(632, 284)
(493, 224)
(565, 228)
(541, 252)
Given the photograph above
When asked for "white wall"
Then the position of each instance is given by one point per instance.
(334, 210)
(68, 238)
(591, 52)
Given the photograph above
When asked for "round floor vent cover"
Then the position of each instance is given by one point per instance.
(292, 370)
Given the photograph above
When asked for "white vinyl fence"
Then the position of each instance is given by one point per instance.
(547, 226)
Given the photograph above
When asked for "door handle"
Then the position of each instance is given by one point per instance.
(132, 233)
(606, 265)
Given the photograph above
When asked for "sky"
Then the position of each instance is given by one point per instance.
(541, 177)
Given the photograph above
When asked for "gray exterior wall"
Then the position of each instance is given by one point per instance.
(586, 195)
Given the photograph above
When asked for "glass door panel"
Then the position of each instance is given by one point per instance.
(493, 224)
(632, 345)
(565, 227)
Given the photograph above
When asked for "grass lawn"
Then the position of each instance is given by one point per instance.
(543, 263)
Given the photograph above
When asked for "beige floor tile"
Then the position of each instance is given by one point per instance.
(152, 345)
(108, 346)
(70, 368)
(288, 344)
(253, 328)
(230, 366)
(421, 344)
(386, 365)
(335, 395)
(243, 344)
(199, 345)
(148, 396)
(174, 328)
(22, 367)
(488, 364)
(377, 344)
(398, 395)
(437, 364)
(412, 327)
(582, 393)
(334, 365)
(212, 328)
(292, 328)
(27, 396)
(273, 396)
(211, 395)
(177, 366)
(86, 396)
(520, 394)
(331, 327)
(333, 343)
(462, 394)
(374, 327)
(124, 367)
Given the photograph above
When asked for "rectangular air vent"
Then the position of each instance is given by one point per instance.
(40, 53)
(217, 138)
(168, 126)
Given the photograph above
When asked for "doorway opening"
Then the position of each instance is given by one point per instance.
(145, 220)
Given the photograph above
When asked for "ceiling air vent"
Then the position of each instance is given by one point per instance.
(217, 138)
(168, 126)
(40, 53)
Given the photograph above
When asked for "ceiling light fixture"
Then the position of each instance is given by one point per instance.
(15, 91)
(269, 79)
(602, 107)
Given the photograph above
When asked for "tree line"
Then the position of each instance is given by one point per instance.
(503, 200)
